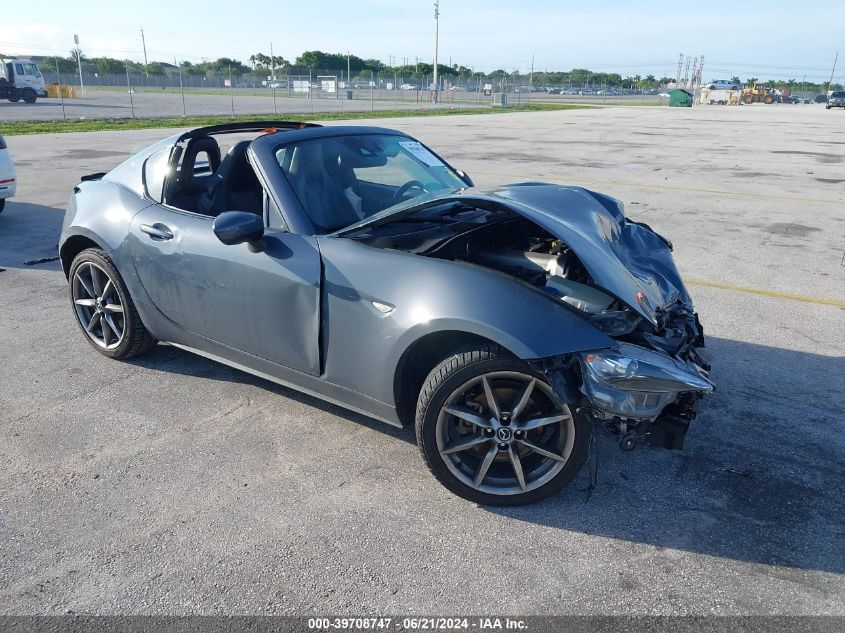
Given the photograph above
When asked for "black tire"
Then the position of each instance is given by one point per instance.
(29, 95)
(2, 204)
(827, 107)
(136, 340)
(468, 364)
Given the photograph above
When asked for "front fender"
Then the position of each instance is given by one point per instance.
(362, 345)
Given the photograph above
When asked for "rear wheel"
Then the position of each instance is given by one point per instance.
(492, 430)
(103, 308)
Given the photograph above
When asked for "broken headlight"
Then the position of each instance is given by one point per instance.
(634, 382)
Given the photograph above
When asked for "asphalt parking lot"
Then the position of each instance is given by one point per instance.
(170, 484)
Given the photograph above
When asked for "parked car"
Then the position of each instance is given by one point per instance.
(409, 87)
(793, 99)
(721, 84)
(821, 98)
(836, 100)
(7, 174)
(355, 264)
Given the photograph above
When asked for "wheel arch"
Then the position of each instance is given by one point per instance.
(419, 358)
(72, 247)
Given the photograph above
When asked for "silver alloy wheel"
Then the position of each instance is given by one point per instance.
(98, 306)
(505, 433)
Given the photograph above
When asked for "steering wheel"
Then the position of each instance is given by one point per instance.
(404, 189)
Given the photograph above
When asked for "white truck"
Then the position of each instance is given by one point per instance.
(21, 80)
(710, 96)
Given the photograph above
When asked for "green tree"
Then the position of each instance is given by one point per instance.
(155, 68)
(109, 66)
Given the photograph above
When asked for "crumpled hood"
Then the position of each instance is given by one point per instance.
(624, 258)
(627, 259)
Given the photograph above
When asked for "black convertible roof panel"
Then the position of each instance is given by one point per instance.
(245, 126)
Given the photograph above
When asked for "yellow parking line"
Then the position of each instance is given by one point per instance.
(766, 293)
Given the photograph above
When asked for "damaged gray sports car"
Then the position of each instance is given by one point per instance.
(354, 264)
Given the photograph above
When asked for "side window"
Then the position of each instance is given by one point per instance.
(155, 174)
(274, 215)
(19, 69)
(30, 69)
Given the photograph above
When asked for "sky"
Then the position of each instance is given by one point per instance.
(764, 39)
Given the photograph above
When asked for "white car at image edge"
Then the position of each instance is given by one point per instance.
(7, 174)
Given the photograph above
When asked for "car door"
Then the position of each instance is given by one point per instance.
(265, 303)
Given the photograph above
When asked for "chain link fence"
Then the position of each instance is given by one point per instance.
(174, 91)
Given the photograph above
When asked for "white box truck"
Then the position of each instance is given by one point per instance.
(21, 80)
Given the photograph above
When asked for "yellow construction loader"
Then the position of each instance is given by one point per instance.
(757, 93)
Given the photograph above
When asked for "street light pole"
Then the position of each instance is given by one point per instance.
(79, 63)
(436, 43)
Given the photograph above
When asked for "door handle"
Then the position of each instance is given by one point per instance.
(157, 231)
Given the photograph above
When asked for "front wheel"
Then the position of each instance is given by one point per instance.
(491, 430)
(29, 95)
(2, 204)
(103, 308)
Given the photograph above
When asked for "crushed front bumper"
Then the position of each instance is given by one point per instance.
(642, 393)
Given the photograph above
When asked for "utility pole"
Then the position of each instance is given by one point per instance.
(273, 82)
(348, 70)
(79, 63)
(436, 42)
(61, 93)
(832, 70)
(531, 78)
(144, 44)
(181, 87)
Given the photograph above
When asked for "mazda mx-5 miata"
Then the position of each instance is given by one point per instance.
(355, 264)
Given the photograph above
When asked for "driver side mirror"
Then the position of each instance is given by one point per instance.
(237, 227)
(465, 177)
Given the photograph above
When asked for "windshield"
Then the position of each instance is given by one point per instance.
(340, 181)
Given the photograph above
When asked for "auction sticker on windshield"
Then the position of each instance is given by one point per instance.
(416, 148)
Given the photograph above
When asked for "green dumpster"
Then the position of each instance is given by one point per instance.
(680, 98)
